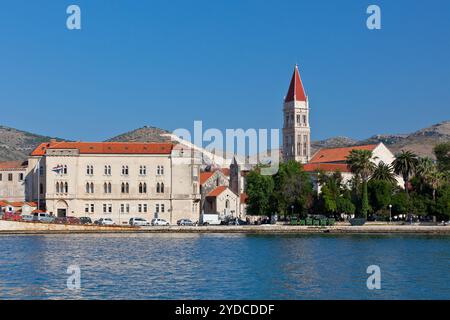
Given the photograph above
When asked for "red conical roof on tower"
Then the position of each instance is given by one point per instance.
(296, 91)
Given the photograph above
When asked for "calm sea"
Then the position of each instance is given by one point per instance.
(224, 266)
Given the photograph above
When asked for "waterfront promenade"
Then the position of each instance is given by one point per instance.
(12, 227)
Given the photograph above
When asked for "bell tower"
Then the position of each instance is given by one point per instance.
(296, 130)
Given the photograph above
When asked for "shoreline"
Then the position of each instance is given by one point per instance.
(18, 228)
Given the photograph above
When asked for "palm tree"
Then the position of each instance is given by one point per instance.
(383, 172)
(405, 164)
(425, 167)
(435, 179)
(360, 163)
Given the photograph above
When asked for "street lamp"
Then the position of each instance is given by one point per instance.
(390, 213)
(292, 210)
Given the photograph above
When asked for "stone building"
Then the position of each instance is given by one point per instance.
(13, 180)
(115, 179)
(334, 160)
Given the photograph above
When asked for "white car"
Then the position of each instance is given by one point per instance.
(105, 222)
(159, 222)
(138, 222)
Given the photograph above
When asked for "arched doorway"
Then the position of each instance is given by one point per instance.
(61, 209)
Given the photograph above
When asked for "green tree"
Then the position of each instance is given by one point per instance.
(360, 163)
(424, 168)
(442, 207)
(380, 193)
(383, 172)
(329, 200)
(405, 164)
(292, 187)
(345, 205)
(401, 203)
(442, 153)
(259, 191)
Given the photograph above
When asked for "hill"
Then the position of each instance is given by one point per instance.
(17, 144)
(144, 134)
(421, 142)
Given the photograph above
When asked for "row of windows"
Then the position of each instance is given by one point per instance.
(10, 177)
(301, 149)
(124, 208)
(124, 187)
(62, 169)
(301, 120)
(61, 187)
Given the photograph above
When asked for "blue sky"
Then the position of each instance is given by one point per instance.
(228, 63)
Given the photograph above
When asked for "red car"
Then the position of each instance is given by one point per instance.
(67, 220)
(12, 216)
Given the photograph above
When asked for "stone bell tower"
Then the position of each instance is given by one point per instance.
(296, 130)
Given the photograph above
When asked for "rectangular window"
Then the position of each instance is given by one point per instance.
(157, 208)
(145, 208)
(92, 208)
(127, 207)
(104, 208)
(10, 177)
(298, 120)
(1, 177)
(20, 176)
(140, 208)
(122, 208)
(109, 208)
(86, 208)
(162, 207)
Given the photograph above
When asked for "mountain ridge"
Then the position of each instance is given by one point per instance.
(17, 144)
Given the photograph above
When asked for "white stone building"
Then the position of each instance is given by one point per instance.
(115, 179)
(334, 160)
(13, 180)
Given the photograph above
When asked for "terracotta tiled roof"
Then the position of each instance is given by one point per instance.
(217, 191)
(338, 154)
(244, 197)
(204, 176)
(296, 91)
(13, 165)
(17, 203)
(328, 167)
(3, 203)
(225, 171)
(106, 147)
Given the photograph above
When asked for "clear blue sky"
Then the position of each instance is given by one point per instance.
(228, 63)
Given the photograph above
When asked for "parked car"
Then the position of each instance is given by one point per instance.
(43, 217)
(27, 217)
(67, 220)
(85, 220)
(138, 222)
(236, 222)
(185, 222)
(159, 222)
(105, 222)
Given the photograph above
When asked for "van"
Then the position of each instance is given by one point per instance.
(43, 217)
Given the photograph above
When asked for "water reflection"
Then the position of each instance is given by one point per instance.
(224, 266)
